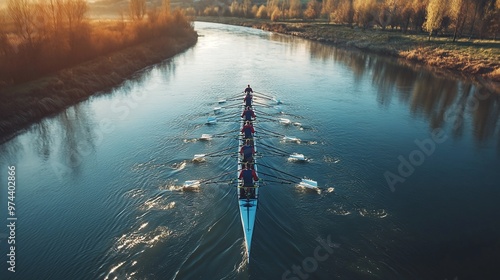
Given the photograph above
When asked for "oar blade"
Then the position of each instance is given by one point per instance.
(297, 157)
(284, 121)
(191, 184)
(206, 137)
(211, 120)
(291, 139)
(308, 183)
(199, 157)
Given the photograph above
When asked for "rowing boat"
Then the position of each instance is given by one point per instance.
(247, 198)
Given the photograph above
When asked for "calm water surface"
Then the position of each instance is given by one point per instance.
(410, 162)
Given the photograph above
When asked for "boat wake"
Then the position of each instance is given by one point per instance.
(173, 187)
(131, 246)
(157, 203)
(179, 166)
(330, 159)
(378, 213)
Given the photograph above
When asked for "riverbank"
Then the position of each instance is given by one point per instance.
(476, 60)
(29, 102)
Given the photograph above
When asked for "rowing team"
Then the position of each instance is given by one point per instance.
(248, 175)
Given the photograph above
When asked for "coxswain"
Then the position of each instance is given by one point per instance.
(248, 130)
(248, 114)
(247, 151)
(249, 177)
(248, 90)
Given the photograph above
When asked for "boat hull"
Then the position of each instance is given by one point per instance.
(247, 204)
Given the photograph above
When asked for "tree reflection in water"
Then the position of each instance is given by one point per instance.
(442, 100)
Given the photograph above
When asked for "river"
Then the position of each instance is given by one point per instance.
(408, 161)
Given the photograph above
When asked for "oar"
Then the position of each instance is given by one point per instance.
(227, 116)
(278, 152)
(283, 172)
(222, 100)
(264, 97)
(268, 134)
(271, 154)
(285, 138)
(272, 132)
(224, 133)
(235, 98)
(213, 154)
(218, 176)
(276, 177)
(273, 181)
(262, 104)
(196, 183)
(232, 105)
(263, 94)
(267, 114)
(306, 183)
(273, 150)
(266, 118)
(206, 136)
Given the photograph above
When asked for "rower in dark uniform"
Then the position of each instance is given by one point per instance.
(248, 114)
(248, 130)
(249, 177)
(248, 90)
(248, 99)
(247, 151)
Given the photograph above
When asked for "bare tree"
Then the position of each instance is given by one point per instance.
(23, 15)
(74, 11)
(54, 10)
(5, 45)
(137, 9)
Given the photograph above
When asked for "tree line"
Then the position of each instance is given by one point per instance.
(41, 36)
(462, 18)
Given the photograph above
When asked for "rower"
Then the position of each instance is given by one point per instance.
(249, 177)
(248, 114)
(247, 151)
(248, 130)
(248, 99)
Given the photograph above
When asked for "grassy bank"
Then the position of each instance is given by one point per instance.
(29, 102)
(478, 60)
